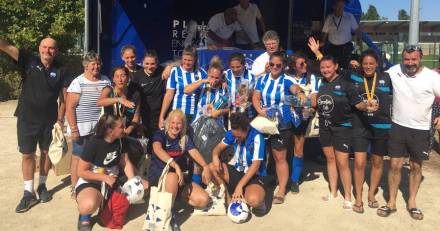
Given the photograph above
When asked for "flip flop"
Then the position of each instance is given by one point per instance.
(358, 208)
(347, 205)
(278, 200)
(415, 214)
(385, 211)
(373, 204)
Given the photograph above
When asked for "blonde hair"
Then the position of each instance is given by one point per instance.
(183, 137)
(216, 63)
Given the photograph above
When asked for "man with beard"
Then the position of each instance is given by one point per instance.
(414, 90)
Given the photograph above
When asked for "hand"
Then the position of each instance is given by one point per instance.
(110, 180)
(74, 136)
(302, 98)
(372, 106)
(127, 103)
(238, 193)
(206, 175)
(218, 167)
(215, 113)
(145, 184)
(313, 44)
(263, 112)
(61, 123)
(437, 123)
(166, 72)
(180, 176)
(161, 122)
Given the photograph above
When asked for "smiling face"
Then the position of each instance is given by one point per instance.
(150, 65)
(120, 78)
(271, 46)
(175, 125)
(276, 66)
(328, 69)
(187, 62)
(237, 67)
(93, 68)
(369, 65)
(129, 58)
(300, 66)
(47, 50)
(412, 62)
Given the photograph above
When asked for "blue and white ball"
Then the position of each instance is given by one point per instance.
(133, 189)
(238, 212)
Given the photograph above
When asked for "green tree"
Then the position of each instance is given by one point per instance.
(371, 14)
(403, 15)
(26, 22)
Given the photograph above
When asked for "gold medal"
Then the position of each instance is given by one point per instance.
(370, 95)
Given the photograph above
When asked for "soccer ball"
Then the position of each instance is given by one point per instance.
(133, 189)
(238, 212)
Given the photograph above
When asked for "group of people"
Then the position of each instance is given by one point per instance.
(361, 110)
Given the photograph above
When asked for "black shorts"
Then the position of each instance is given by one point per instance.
(235, 177)
(377, 139)
(408, 142)
(30, 134)
(301, 129)
(87, 185)
(340, 138)
(281, 141)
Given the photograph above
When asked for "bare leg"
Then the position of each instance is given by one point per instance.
(28, 166)
(415, 178)
(394, 176)
(360, 161)
(45, 163)
(73, 170)
(196, 196)
(89, 199)
(282, 169)
(376, 174)
(332, 171)
(345, 173)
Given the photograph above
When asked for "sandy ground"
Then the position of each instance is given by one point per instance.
(304, 211)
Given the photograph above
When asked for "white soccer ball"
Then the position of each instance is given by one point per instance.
(238, 212)
(133, 189)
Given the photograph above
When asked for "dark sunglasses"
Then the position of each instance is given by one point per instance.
(412, 48)
(278, 65)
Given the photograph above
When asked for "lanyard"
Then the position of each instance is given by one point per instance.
(370, 95)
(337, 24)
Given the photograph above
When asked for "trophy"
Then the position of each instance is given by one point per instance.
(242, 96)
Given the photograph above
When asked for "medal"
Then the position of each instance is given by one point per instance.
(370, 95)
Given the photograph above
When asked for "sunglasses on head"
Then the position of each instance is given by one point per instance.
(278, 65)
(412, 48)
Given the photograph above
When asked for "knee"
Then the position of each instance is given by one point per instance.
(28, 157)
(279, 156)
(330, 159)
(395, 167)
(377, 164)
(87, 205)
(416, 169)
(254, 200)
(359, 166)
(202, 200)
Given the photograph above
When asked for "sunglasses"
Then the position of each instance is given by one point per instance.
(412, 48)
(278, 65)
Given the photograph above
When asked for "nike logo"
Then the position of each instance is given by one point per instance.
(280, 140)
(167, 144)
(110, 157)
(345, 146)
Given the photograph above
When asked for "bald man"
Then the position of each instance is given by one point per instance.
(37, 111)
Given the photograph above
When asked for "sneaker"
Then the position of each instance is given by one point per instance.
(29, 199)
(174, 226)
(294, 188)
(84, 226)
(43, 194)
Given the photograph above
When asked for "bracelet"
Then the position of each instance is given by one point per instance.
(319, 57)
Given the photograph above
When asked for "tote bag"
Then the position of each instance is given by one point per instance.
(160, 205)
(313, 127)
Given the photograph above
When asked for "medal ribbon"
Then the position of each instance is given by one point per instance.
(370, 95)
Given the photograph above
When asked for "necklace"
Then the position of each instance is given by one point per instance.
(370, 95)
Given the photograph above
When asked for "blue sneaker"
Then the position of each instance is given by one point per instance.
(29, 199)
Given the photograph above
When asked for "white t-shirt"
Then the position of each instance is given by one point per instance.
(87, 110)
(247, 18)
(340, 29)
(217, 25)
(413, 97)
(259, 65)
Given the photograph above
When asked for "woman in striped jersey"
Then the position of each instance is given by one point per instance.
(271, 92)
(180, 77)
(309, 84)
(240, 84)
(211, 91)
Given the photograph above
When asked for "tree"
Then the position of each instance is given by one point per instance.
(26, 22)
(403, 15)
(371, 14)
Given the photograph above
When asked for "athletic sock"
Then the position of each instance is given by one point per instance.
(86, 217)
(42, 180)
(29, 185)
(197, 179)
(297, 165)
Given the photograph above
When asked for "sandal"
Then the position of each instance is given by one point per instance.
(373, 204)
(358, 208)
(347, 205)
(278, 200)
(415, 214)
(385, 211)
(328, 197)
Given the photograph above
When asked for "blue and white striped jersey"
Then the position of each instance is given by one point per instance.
(253, 148)
(208, 95)
(179, 78)
(302, 82)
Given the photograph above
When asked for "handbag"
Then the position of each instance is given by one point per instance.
(265, 126)
(159, 207)
(313, 127)
(58, 146)
(113, 214)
